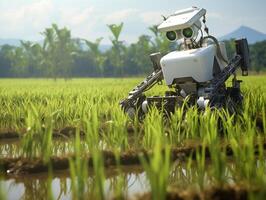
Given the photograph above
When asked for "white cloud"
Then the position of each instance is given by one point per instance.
(25, 19)
(151, 17)
(120, 16)
(75, 17)
(35, 12)
(81, 21)
(214, 15)
(83, 17)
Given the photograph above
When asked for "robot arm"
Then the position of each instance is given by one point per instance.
(133, 102)
(241, 60)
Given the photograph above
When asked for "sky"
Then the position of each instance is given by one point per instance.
(26, 19)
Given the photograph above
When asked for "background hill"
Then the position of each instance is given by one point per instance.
(16, 43)
(252, 35)
(12, 42)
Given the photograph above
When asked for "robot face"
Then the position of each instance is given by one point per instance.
(186, 33)
(183, 24)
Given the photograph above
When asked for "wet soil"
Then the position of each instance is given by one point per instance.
(226, 192)
(37, 165)
(259, 123)
(110, 172)
(214, 193)
(66, 132)
(6, 135)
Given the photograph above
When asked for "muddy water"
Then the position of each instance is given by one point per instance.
(37, 186)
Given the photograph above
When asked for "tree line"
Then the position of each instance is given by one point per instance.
(62, 56)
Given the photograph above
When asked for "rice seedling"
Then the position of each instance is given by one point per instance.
(2, 190)
(201, 167)
(93, 142)
(157, 167)
(153, 129)
(78, 170)
(38, 138)
(176, 133)
(157, 170)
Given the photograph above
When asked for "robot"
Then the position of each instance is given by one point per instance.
(196, 74)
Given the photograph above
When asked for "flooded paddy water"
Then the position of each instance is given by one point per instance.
(132, 179)
(37, 186)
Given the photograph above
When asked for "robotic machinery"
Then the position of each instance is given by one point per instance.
(196, 73)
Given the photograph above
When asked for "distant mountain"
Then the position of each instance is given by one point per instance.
(252, 35)
(12, 42)
(105, 47)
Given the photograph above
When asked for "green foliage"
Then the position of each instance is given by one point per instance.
(160, 42)
(38, 140)
(78, 170)
(58, 49)
(116, 54)
(157, 169)
(257, 54)
(95, 52)
(230, 48)
(2, 190)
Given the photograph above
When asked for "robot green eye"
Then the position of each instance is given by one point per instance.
(187, 32)
(171, 35)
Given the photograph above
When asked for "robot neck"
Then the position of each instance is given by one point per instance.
(189, 44)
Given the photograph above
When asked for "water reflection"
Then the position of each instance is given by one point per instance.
(37, 186)
(134, 181)
(13, 148)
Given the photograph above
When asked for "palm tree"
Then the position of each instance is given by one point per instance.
(19, 62)
(94, 50)
(58, 51)
(154, 30)
(48, 51)
(6, 53)
(118, 48)
(32, 54)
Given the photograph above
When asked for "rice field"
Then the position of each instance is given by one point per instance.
(70, 140)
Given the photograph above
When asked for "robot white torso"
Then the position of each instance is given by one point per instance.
(199, 61)
(197, 64)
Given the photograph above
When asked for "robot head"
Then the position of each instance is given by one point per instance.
(186, 33)
(183, 24)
